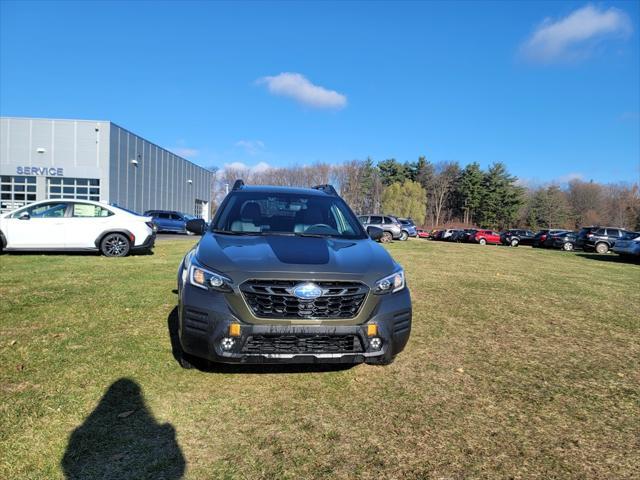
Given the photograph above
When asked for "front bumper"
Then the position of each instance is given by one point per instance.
(204, 319)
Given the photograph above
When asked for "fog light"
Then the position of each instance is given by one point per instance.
(216, 281)
(227, 343)
(375, 343)
(234, 330)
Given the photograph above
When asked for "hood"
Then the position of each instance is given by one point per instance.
(362, 259)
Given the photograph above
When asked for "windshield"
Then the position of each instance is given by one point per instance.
(265, 213)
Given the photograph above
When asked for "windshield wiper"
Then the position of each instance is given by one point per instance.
(232, 232)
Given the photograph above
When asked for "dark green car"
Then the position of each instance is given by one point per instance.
(289, 275)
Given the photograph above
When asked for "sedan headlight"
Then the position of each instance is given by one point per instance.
(392, 283)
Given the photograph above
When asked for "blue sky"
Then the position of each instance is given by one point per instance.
(550, 88)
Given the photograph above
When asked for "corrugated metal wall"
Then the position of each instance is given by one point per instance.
(159, 181)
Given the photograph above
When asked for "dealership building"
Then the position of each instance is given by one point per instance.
(96, 160)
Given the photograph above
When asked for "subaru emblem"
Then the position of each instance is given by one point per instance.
(307, 291)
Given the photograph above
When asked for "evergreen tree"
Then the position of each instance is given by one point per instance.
(501, 198)
(469, 191)
(391, 171)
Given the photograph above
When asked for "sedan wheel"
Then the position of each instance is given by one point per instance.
(482, 241)
(386, 237)
(115, 245)
(404, 236)
(602, 248)
(567, 246)
(514, 242)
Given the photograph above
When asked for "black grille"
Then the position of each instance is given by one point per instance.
(302, 344)
(273, 299)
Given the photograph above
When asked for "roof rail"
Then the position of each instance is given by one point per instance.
(326, 188)
(238, 184)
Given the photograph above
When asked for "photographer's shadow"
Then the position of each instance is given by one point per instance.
(120, 439)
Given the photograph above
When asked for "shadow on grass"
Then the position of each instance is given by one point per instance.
(213, 367)
(121, 439)
(609, 257)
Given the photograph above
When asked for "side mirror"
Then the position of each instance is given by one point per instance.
(375, 233)
(196, 226)
(24, 216)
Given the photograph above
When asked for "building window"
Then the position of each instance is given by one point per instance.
(73, 188)
(16, 192)
(198, 209)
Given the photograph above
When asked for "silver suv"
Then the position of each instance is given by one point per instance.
(391, 226)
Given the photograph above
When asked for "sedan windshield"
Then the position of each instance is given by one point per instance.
(265, 213)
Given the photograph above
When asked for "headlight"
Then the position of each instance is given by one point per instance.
(203, 278)
(392, 283)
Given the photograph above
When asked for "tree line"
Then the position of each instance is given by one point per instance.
(446, 194)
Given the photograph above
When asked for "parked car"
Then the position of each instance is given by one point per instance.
(422, 233)
(437, 235)
(447, 233)
(600, 239)
(170, 221)
(518, 236)
(408, 226)
(456, 236)
(304, 281)
(565, 240)
(541, 236)
(390, 225)
(485, 236)
(629, 245)
(467, 234)
(76, 225)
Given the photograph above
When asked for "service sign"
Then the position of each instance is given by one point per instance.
(49, 171)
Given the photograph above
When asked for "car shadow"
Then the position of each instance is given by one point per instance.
(202, 365)
(71, 253)
(121, 439)
(609, 257)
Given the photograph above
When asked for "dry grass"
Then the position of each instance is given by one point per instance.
(522, 364)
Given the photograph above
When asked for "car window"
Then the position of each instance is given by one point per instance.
(45, 210)
(164, 216)
(600, 231)
(376, 220)
(175, 216)
(362, 219)
(614, 232)
(388, 221)
(270, 213)
(89, 210)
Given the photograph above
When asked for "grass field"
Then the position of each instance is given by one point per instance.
(522, 364)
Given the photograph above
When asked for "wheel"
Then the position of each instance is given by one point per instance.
(482, 241)
(404, 236)
(567, 246)
(115, 245)
(185, 361)
(386, 237)
(602, 247)
(515, 242)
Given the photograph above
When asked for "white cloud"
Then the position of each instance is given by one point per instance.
(252, 147)
(186, 152)
(257, 168)
(570, 176)
(574, 36)
(299, 88)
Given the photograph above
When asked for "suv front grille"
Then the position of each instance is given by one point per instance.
(260, 344)
(273, 299)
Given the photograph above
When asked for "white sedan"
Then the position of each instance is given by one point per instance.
(76, 225)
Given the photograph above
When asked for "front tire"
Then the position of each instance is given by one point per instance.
(514, 242)
(115, 245)
(404, 236)
(482, 241)
(567, 246)
(602, 248)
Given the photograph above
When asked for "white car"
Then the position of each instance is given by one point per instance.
(76, 225)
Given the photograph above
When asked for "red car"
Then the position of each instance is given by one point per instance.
(485, 236)
(423, 234)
